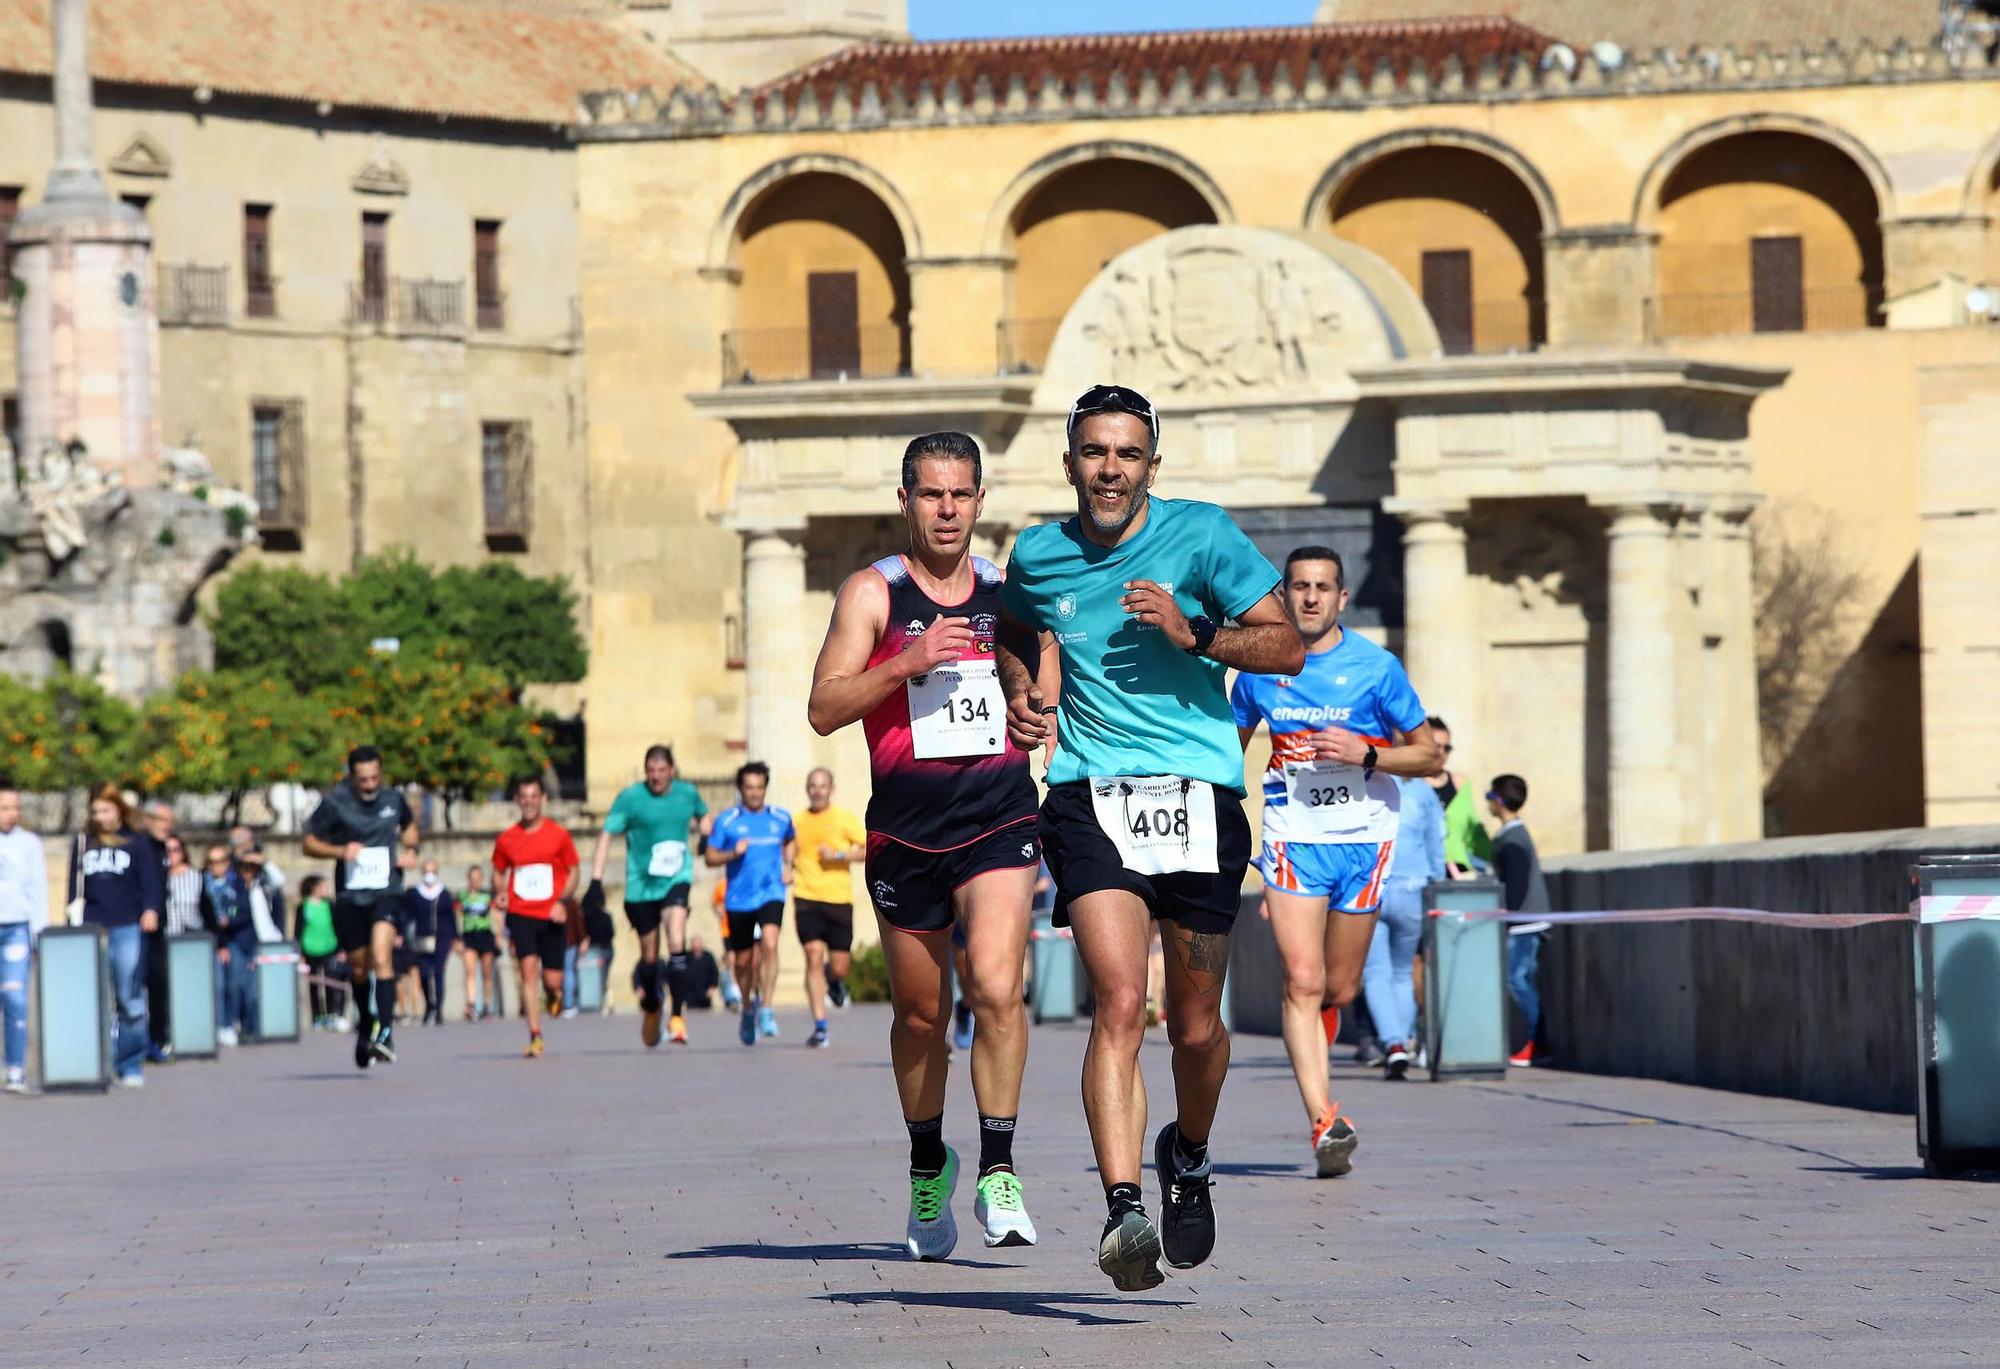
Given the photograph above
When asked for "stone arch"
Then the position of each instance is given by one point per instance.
(1981, 180)
(999, 222)
(723, 236)
(1646, 203)
(1327, 190)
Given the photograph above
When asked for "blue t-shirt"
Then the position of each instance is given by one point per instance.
(756, 877)
(1133, 703)
(1354, 685)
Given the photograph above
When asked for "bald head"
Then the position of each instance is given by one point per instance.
(819, 788)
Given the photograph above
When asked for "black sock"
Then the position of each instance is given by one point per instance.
(385, 1000)
(677, 968)
(996, 1144)
(1188, 1155)
(364, 1005)
(927, 1154)
(1123, 1198)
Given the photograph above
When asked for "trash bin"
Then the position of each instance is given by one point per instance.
(1058, 972)
(73, 1012)
(1465, 980)
(191, 995)
(590, 980)
(1958, 1013)
(277, 965)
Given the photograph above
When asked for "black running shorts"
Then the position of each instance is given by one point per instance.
(912, 889)
(832, 923)
(744, 922)
(537, 936)
(1083, 860)
(354, 922)
(646, 914)
(480, 942)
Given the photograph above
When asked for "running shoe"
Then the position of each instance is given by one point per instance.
(1524, 1056)
(931, 1233)
(383, 1044)
(998, 1207)
(767, 1021)
(818, 1040)
(836, 992)
(1187, 1218)
(1129, 1251)
(746, 1026)
(677, 1029)
(364, 1049)
(1396, 1063)
(17, 1079)
(534, 1050)
(132, 1081)
(649, 1027)
(1334, 1140)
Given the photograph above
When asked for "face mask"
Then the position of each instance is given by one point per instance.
(430, 881)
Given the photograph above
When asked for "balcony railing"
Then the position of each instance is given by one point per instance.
(1822, 309)
(194, 295)
(1023, 344)
(411, 306)
(760, 355)
(1497, 326)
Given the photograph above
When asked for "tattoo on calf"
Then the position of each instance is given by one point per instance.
(1202, 952)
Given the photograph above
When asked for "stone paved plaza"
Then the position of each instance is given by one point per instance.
(722, 1206)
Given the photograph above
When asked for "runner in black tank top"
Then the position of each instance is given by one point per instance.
(951, 827)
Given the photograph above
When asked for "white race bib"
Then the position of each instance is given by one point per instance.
(956, 710)
(1161, 824)
(668, 858)
(369, 870)
(534, 883)
(1328, 801)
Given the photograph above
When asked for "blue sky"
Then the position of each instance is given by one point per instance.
(985, 19)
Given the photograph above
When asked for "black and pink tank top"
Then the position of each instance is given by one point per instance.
(942, 802)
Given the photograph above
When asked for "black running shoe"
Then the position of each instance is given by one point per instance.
(1129, 1251)
(383, 1044)
(364, 1048)
(1187, 1219)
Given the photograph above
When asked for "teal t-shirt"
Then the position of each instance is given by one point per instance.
(658, 857)
(1132, 702)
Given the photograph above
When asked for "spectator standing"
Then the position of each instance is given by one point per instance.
(235, 931)
(186, 912)
(1522, 891)
(117, 873)
(574, 936)
(319, 945)
(158, 816)
(430, 925)
(1386, 974)
(1466, 846)
(24, 912)
(704, 975)
(482, 949)
(599, 934)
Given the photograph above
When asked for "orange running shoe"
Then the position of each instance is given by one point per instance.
(1334, 1140)
(534, 1049)
(677, 1029)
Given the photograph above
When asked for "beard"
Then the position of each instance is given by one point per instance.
(1135, 500)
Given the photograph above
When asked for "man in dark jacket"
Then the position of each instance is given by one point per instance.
(1522, 891)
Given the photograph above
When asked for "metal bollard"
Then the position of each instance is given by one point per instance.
(590, 980)
(191, 995)
(1465, 981)
(277, 968)
(73, 1012)
(1057, 972)
(1958, 1013)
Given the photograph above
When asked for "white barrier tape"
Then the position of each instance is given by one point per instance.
(1958, 907)
(1931, 908)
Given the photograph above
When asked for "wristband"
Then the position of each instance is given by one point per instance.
(1368, 761)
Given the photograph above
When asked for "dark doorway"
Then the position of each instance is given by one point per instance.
(833, 329)
(1777, 285)
(1448, 297)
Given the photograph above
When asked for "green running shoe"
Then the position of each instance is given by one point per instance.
(932, 1233)
(999, 1209)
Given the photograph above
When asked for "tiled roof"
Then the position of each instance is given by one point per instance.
(1682, 24)
(1200, 51)
(419, 56)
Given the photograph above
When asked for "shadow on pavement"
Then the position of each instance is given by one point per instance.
(1897, 1172)
(1069, 1307)
(873, 1250)
(1847, 1166)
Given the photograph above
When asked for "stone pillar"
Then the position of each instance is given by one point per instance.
(1598, 282)
(777, 658)
(1739, 770)
(956, 308)
(1921, 251)
(1442, 646)
(1645, 782)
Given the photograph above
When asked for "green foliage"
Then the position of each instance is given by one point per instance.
(228, 732)
(64, 735)
(312, 632)
(441, 721)
(868, 975)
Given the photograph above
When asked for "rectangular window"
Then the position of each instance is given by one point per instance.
(1448, 297)
(278, 470)
(833, 323)
(505, 470)
(1777, 285)
(138, 202)
(10, 205)
(491, 304)
(260, 287)
(10, 429)
(374, 300)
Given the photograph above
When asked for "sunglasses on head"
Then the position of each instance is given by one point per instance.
(1114, 399)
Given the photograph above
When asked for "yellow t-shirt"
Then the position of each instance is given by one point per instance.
(825, 882)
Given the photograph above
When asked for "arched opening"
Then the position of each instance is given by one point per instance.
(1991, 208)
(41, 651)
(1070, 226)
(1768, 231)
(824, 293)
(1464, 230)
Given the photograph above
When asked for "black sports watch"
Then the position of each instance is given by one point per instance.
(1368, 761)
(1203, 628)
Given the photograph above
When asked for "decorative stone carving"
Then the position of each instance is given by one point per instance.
(141, 156)
(380, 174)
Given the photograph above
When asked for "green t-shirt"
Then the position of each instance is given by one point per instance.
(475, 911)
(1465, 839)
(316, 936)
(655, 827)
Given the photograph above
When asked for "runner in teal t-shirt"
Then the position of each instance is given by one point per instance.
(1144, 815)
(659, 819)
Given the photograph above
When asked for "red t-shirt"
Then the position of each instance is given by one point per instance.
(534, 867)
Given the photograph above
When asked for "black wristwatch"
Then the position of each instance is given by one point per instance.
(1368, 761)
(1203, 628)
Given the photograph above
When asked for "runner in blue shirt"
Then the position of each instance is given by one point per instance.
(1144, 814)
(757, 843)
(1340, 728)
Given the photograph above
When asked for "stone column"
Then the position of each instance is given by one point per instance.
(1441, 642)
(1645, 783)
(1740, 772)
(777, 658)
(1597, 282)
(956, 304)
